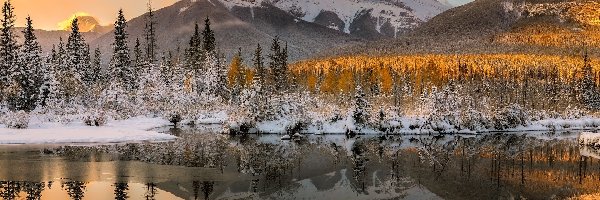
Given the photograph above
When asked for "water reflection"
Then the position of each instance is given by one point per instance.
(203, 165)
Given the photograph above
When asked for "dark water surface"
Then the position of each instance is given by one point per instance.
(203, 165)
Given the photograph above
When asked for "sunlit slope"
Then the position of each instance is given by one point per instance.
(332, 75)
(564, 24)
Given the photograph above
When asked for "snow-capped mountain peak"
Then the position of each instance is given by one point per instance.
(387, 17)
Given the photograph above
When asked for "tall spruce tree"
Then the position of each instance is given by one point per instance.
(193, 57)
(588, 93)
(278, 65)
(29, 76)
(96, 70)
(138, 59)
(260, 71)
(120, 64)
(76, 49)
(150, 36)
(208, 37)
(8, 45)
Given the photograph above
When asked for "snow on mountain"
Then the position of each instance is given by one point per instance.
(343, 14)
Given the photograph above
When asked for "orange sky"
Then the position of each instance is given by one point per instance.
(46, 14)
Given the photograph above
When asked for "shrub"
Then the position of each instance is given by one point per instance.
(96, 118)
(17, 120)
(510, 117)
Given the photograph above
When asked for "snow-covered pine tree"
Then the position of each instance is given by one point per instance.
(150, 36)
(96, 68)
(361, 108)
(120, 64)
(278, 66)
(138, 61)
(77, 52)
(258, 64)
(50, 90)
(30, 75)
(8, 46)
(193, 57)
(194, 51)
(208, 37)
(588, 91)
(221, 69)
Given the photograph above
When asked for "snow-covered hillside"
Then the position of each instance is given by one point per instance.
(400, 14)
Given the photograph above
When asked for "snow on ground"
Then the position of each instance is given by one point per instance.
(130, 130)
(589, 139)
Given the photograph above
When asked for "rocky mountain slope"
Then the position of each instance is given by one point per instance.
(368, 19)
(175, 25)
(490, 26)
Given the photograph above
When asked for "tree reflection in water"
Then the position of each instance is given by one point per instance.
(534, 166)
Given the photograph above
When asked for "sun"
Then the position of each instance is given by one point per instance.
(66, 24)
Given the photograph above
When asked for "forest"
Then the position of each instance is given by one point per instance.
(361, 94)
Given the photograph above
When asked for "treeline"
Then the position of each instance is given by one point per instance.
(533, 81)
(136, 78)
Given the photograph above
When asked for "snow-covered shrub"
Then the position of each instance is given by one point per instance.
(473, 120)
(573, 113)
(510, 117)
(95, 118)
(17, 120)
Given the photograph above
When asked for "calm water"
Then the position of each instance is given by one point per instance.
(202, 165)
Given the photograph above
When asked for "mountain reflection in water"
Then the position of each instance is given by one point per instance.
(202, 165)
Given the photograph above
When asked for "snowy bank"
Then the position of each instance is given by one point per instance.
(130, 130)
(589, 139)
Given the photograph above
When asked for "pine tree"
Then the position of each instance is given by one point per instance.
(361, 108)
(87, 74)
(50, 94)
(208, 42)
(138, 59)
(278, 65)
(97, 67)
(120, 65)
(150, 36)
(260, 71)
(76, 50)
(8, 45)
(589, 94)
(194, 52)
(29, 76)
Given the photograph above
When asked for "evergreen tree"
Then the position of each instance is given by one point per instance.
(361, 108)
(8, 45)
(193, 57)
(120, 64)
(150, 36)
(260, 71)
(76, 50)
(97, 67)
(29, 76)
(138, 59)
(278, 65)
(88, 74)
(588, 93)
(208, 42)
(50, 92)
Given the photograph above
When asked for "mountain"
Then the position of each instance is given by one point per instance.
(86, 24)
(48, 38)
(367, 19)
(492, 26)
(175, 25)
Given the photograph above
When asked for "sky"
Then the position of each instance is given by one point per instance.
(46, 14)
